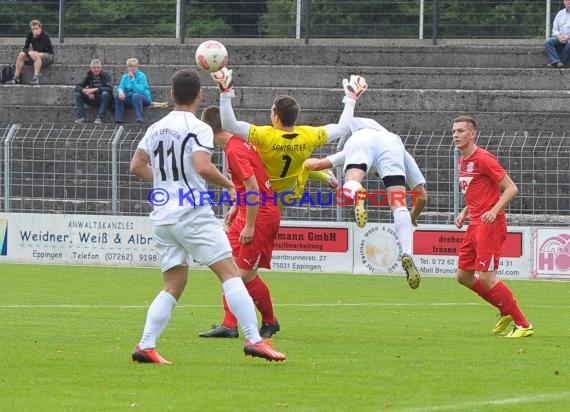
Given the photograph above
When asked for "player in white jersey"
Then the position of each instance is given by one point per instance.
(175, 154)
(372, 146)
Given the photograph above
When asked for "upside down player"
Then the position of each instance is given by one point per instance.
(252, 226)
(482, 178)
(372, 146)
(284, 146)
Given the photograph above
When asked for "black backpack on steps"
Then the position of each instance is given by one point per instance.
(7, 73)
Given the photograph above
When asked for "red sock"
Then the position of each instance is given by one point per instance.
(259, 292)
(480, 289)
(507, 303)
(230, 321)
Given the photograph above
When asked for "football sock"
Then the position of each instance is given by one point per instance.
(403, 226)
(241, 305)
(259, 292)
(352, 186)
(480, 289)
(230, 321)
(157, 318)
(506, 302)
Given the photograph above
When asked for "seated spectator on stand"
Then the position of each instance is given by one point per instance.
(560, 38)
(38, 51)
(132, 91)
(96, 89)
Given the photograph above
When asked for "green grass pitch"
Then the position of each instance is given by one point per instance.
(355, 343)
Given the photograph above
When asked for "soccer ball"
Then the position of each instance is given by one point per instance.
(211, 56)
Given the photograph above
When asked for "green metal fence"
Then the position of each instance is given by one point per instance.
(414, 19)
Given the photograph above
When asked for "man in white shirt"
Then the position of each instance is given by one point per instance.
(175, 154)
(560, 38)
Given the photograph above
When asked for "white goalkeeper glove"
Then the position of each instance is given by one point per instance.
(223, 79)
(354, 87)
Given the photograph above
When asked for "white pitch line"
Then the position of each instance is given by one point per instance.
(307, 305)
(528, 399)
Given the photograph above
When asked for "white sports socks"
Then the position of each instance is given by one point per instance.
(241, 305)
(403, 226)
(157, 318)
(353, 186)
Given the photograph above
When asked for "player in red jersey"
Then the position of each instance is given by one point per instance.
(252, 225)
(487, 189)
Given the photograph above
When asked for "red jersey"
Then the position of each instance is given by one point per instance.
(479, 177)
(243, 162)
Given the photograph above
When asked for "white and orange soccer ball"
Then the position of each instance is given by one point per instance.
(211, 56)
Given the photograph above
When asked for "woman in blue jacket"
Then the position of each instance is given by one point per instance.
(132, 91)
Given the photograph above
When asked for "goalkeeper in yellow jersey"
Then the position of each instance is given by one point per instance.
(284, 146)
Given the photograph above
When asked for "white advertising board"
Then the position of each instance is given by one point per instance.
(435, 251)
(551, 253)
(78, 239)
(120, 241)
(313, 247)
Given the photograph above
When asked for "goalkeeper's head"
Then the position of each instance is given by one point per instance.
(186, 87)
(286, 109)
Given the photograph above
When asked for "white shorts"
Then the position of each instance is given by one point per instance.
(198, 235)
(377, 149)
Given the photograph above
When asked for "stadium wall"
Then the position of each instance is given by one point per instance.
(303, 246)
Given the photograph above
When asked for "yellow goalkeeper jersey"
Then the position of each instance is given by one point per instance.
(283, 154)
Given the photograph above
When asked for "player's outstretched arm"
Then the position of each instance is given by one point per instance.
(315, 164)
(353, 89)
(223, 78)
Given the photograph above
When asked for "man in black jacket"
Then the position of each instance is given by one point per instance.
(96, 89)
(38, 51)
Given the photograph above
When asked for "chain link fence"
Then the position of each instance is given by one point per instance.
(84, 169)
(414, 19)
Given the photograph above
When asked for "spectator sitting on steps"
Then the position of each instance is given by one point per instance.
(96, 89)
(560, 38)
(38, 51)
(132, 91)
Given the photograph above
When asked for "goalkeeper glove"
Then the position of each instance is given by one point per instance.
(354, 87)
(223, 79)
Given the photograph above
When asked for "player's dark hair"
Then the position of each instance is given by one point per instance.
(466, 119)
(287, 108)
(211, 116)
(185, 86)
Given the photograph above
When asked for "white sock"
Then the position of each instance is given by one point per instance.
(353, 186)
(403, 226)
(157, 318)
(241, 305)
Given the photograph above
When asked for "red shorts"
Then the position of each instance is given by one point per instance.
(256, 254)
(482, 247)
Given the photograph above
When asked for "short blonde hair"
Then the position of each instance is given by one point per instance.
(35, 23)
(132, 62)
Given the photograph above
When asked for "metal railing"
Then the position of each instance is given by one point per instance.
(84, 169)
(307, 19)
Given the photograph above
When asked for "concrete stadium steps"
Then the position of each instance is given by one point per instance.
(522, 110)
(393, 120)
(415, 86)
(515, 56)
(330, 99)
(327, 77)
